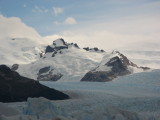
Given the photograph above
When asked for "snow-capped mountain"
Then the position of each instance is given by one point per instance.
(64, 61)
(112, 65)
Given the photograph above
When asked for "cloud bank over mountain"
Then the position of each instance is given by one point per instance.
(17, 36)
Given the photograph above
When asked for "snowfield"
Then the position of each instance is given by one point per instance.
(132, 97)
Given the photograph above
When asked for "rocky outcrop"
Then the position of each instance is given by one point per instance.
(44, 70)
(95, 49)
(14, 67)
(59, 45)
(117, 65)
(46, 74)
(16, 88)
(49, 77)
(49, 49)
(98, 76)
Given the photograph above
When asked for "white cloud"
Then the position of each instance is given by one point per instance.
(67, 21)
(108, 40)
(19, 42)
(57, 10)
(140, 32)
(70, 20)
(13, 27)
(38, 9)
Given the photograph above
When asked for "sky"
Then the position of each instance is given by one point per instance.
(108, 24)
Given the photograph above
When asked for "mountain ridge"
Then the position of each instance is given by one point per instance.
(111, 67)
(65, 62)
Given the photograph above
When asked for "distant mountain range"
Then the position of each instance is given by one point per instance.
(62, 61)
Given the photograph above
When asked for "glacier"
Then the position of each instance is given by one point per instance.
(131, 97)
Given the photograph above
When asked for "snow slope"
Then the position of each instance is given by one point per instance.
(132, 97)
(19, 51)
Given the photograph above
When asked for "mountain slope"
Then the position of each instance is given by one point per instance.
(64, 61)
(15, 88)
(113, 65)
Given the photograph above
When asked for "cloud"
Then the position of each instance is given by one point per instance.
(19, 42)
(67, 21)
(108, 40)
(136, 32)
(70, 20)
(57, 10)
(13, 27)
(38, 9)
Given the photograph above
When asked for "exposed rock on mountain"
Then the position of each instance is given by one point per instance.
(15, 88)
(95, 49)
(46, 74)
(59, 44)
(112, 66)
(62, 61)
(14, 67)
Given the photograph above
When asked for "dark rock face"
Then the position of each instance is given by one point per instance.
(87, 48)
(93, 49)
(96, 49)
(15, 88)
(14, 67)
(59, 45)
(44, 70)
(54, 54)
(98, 76)
(76, 45)
(49, 49)
(144, 68)
(46, 74)
(49, 77)
(55, 48)
(119, 67)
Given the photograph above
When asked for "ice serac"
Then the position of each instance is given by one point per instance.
(15, 88)
(113, 65)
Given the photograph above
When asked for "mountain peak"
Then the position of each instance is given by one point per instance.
(60, 44)
(113, 65)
